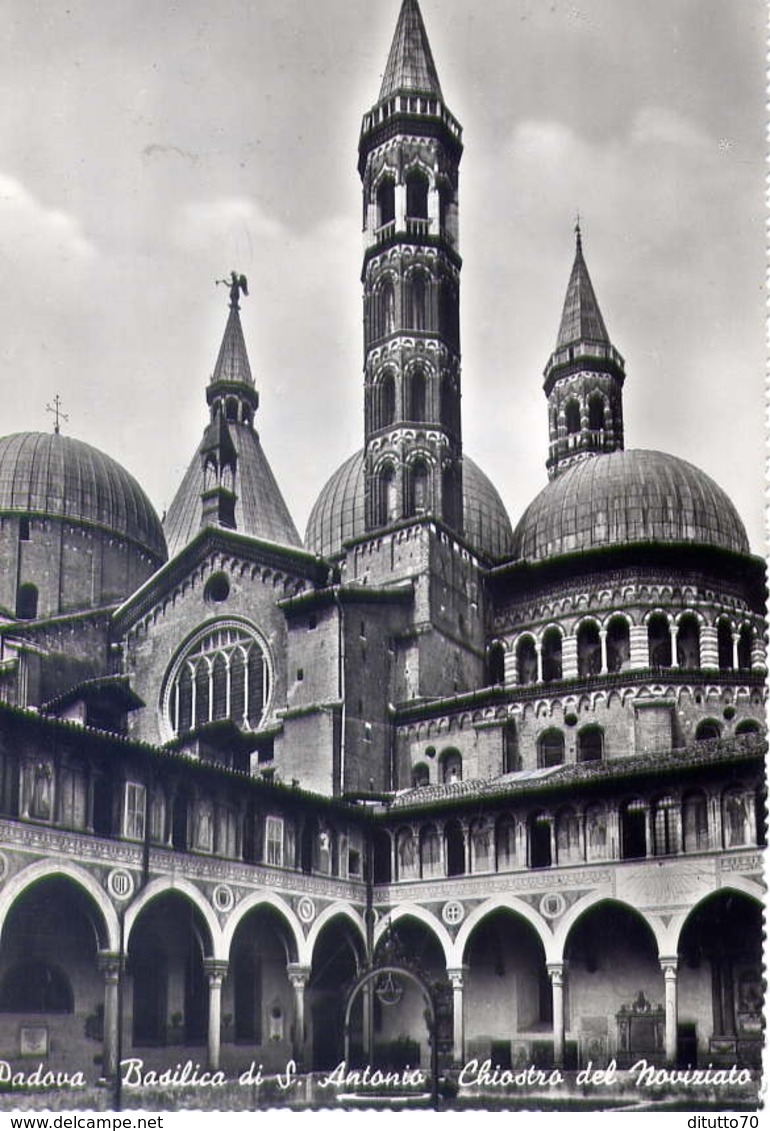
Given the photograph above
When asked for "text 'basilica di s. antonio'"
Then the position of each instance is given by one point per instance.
(259, 795)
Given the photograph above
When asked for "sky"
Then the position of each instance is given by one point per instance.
(148, 147)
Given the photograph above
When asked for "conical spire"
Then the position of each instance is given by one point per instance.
(410, 65)
(232, 365)
(581, 319)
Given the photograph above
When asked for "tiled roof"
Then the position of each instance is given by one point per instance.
(410, 65)
(581, 319)
(233, 361)
(526, 781)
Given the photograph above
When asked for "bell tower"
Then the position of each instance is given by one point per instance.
(583, 378)
(409, 155)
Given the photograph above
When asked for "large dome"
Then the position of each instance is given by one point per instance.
(49, 474)
(628, 497)
(339, 511)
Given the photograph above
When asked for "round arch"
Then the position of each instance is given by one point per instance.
(45, 869)
(593, 899)
(504, 903)
(262, 899)
(334, 910)
(414, 911)
(739, 885)
(169, 885)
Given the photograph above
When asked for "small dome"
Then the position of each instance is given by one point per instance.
(628, 497)
(339, 511)
(44, 473)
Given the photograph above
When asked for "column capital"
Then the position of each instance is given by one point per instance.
(298, 975)
(111, 964)
(669, 964)
(555, 972)
(215, 969)
(455, 974)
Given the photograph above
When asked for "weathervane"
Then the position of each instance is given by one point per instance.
(58, 415)
(236, 283)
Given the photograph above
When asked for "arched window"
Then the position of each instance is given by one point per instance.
(665, 826)
(430, 852)
(417, 396)
(386, 497)
(451, 502)
(387, 320)
(451, 765)
(568, 847)
(26, 601)
(539, 836)
(417, 304)
(419, 489)
(420, 775)
(496, 664)
(597, 836)
(725, 646)
(736, 824)
(618, 645)
(385, 401)
(590, 744)
(633, 830)
(386, 202)
(505, 842)
(449, 312)
(222, 674)
(659, 641)
(511, 755)
(407, 855)
(707, 730)
(481, 846)
(550, 748)
(596, 412)
(455, 848)
(34, 986)
(688, 642)
(447, 404)
(526, 661)
(551, 652)
(572, 416)
(417, 195)
(589, 650)
(744, 649)
(695, 822)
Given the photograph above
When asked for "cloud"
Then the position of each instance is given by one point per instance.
(230, 222)
(29, 230)
(655, 124)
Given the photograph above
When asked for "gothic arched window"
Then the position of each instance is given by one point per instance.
(384, 401)
(688, 642)
(223, 673)
(572, 416)
(618, 645)
(596, 412)
(417, 195)
(419, 488)
(417, 301)
(386, 202)
(526, 661)
(659, 641)
(589, 650)
(551, 649)
(417, 396)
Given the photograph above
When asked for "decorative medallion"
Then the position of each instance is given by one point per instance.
(306, 909)
(223, 897)
(120, 883)
(453, 912)
(553, 905)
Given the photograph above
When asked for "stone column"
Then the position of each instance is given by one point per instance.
(556, 974)
(603, 643)
(215, 971)
(638, 647)
(569, 660)
(674, 630)
(456, 976)
(539, 654)
(299, 977)
(736, 638)
(669, 967)
(110, 965)
(466, 846)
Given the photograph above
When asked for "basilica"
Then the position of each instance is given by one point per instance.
(422, 786)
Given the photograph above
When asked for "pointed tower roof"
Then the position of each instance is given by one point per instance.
(232, 367)
(581, 319)
(258, 507)
(410, 63)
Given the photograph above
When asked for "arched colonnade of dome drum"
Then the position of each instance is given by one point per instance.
(258, 980)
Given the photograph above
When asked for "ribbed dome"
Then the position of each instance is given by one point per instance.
(260, 509)
(628, 497)
(339, 515)
(45, 473)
